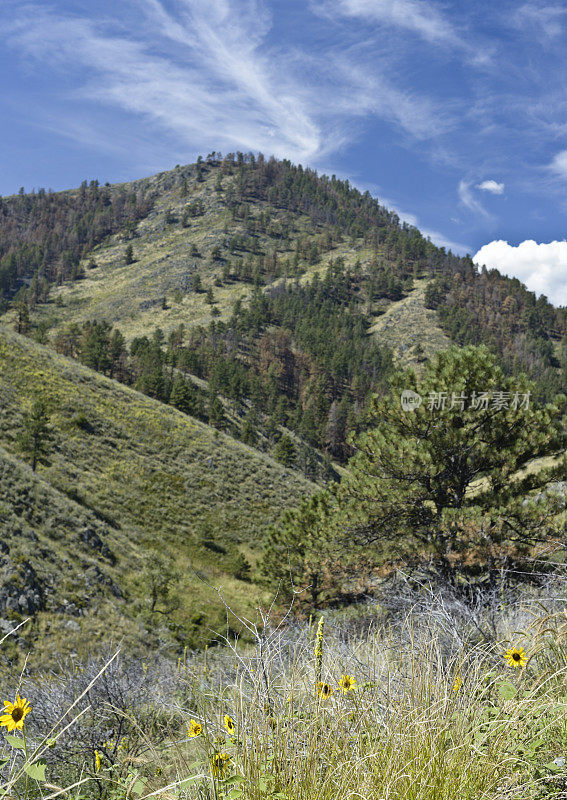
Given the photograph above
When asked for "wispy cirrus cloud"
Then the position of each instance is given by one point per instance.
(467, 198)
(213, 82)
(207, 74)
(417, 16)
(422, 18)
(545, 20)
(558, 164)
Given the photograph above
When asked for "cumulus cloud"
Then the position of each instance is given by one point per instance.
(542, 267)
(491, 186)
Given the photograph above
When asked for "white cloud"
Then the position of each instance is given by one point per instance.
(208, 76)
(468, 199)
(418, 16)
(491, 186)
(376, 96)
(542, 267)
(540, 18)
(559, 164)
(216, 89)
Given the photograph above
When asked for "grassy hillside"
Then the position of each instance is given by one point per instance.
(130, 295)
(57, 561)
(169, 251)
(282, 297)
(159, 487)
(406, 324)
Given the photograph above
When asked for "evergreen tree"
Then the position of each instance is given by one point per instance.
(284, 451)
(118, 356)
(300, 556)
(129, 255)
(36, 434)
(23, 315)
(183, 395)
(95, 346)
(249, 432)
(216, 411)
(411, 481)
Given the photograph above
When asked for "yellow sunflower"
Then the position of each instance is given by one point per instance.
(347, 683)
(325, 690)
(229, 724)
(15, 713)
(220, 763)
(195, 728)
(515, 657)
(457, 683)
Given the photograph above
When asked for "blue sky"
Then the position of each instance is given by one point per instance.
(453, 113)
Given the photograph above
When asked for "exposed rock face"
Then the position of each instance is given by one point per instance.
(91, 538)
(21, 590)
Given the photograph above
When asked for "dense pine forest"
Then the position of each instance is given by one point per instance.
(44, 234)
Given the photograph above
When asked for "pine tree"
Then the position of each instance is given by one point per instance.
(23, 324)
(36, 433)
(183, 395)
(300, 553)
(129, 255)
(284, 451)
(411, 482)
(249, 431)
(216, 411)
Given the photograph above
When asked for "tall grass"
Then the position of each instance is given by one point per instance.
(436, 713)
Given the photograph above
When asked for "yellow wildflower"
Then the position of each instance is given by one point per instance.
(220, 763)
(458, 682)
(15, 713)
(325, 690)
(195, 728)
(97, 760)
(347, 683)
(515, 657)
(229, 724)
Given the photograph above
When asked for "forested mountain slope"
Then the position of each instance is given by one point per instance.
(287, 292)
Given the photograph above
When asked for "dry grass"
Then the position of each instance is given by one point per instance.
(406, 730)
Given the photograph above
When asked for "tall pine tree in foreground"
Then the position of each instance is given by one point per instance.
(446, 477)
(445, 481)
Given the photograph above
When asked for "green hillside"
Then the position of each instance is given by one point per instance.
(155, 486)
(408, 324)
(170, 247)
(165, 319)
(284, 290)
